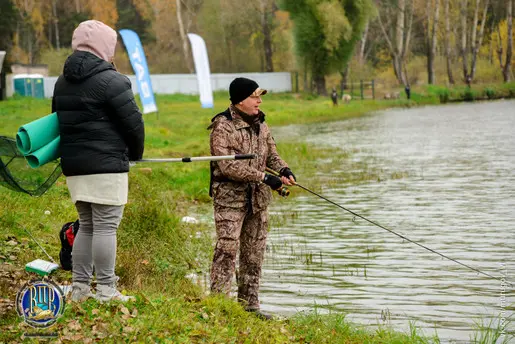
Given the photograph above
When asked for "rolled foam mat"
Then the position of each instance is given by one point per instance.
(36, 134)
(45, 154)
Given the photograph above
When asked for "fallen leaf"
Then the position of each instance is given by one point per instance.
(77, 338)
(134, 312)
(98, 330)
(125, 310)
(95, 311)
(128, 329)
(100, 327)
(74, 325)
(144, 262)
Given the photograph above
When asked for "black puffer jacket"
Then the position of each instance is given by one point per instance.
(100, 125)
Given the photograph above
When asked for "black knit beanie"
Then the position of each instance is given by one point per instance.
(241, 88)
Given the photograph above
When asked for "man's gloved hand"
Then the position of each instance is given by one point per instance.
(286, 172)
(272, 181)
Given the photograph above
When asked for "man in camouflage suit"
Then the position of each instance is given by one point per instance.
(241, 191)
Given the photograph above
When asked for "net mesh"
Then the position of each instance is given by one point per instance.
(17, 175)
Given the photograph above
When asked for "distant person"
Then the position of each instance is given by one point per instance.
(334, 97)
(407, 89)
(101, 130)
(468, 80)
(241, 192)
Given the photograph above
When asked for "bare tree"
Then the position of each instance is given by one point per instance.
(399, 43)
(362, 44)
(447, 44)
(432, 24)
(345, 77)
(185, 43)
(509, 46)
(476, 38)
(267, 9)
(463, 47)
(476, 41)
(56, 24)
(399, 39)
(25, 10)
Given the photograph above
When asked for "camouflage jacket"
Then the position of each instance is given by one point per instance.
(237, 183)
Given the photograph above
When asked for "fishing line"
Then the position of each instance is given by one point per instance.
(397, 234)
(41, 247)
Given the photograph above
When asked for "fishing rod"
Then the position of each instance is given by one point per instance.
(202, 158)
(269, 170)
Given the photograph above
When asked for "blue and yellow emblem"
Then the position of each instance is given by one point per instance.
(40, 303)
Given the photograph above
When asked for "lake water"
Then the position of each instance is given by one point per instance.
(454, 192)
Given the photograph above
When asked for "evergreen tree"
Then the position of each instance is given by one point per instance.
(7, 24)
(130, 18)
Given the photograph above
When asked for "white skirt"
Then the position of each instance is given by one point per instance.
(106, 188)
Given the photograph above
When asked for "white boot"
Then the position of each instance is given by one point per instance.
(81, 292)
(108, 292)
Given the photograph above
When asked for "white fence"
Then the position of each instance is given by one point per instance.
(187, 83)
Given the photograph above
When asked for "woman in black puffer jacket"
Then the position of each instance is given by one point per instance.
(101, 130)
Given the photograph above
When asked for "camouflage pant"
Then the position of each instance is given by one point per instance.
(234, 227)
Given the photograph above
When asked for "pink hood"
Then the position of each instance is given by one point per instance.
(95, 37)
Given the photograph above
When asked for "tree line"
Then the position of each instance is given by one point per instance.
(323, 40)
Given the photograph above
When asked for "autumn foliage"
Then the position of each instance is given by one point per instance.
(329, 43)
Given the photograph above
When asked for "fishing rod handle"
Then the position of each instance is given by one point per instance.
(283, 191)
(275, 173)
(202, 158)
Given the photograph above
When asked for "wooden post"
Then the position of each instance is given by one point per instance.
(361, 88)
(373, 89)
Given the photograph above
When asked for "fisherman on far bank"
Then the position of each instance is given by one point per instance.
(407, 89)
(241, 192)
(334, 97)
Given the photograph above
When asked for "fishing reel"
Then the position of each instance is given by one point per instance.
(283, 191)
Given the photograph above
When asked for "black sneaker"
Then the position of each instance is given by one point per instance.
(260, 314)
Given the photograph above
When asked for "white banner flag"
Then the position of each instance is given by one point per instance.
(199, 52)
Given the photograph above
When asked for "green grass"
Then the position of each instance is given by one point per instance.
(475, 92)
(156, 250)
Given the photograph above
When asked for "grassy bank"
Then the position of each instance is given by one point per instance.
(156, 251)
(474, 93)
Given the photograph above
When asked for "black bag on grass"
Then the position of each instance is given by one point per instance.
(67, 235)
